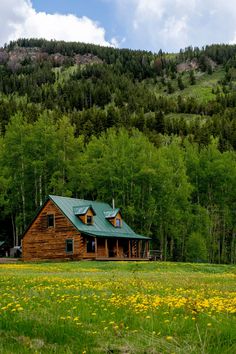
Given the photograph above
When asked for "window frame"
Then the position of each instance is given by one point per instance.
(72, 243)
(93, 248)
(49, 218)
(119, 221)
(89, 216)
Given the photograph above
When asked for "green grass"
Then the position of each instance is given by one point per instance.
(171, 118)
(124, 307)
(201, 91)
(65, 74)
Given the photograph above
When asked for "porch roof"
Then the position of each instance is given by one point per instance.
(121, 235)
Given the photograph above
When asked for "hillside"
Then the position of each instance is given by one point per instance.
(167, 121)
(56, 75)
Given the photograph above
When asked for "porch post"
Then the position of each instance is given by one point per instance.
(106, 247)
(117, 248)
(96, 247)
(129, 249)
(145, 250)
(139, 249)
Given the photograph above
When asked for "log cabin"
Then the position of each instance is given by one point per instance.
(69, 228)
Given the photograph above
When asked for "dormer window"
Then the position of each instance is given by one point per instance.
(85, 213)
(114, 217)
(118, 222)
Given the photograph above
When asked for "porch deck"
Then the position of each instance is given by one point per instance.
(126, 259)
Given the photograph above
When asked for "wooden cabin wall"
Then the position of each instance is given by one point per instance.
(43, 242)
(88, 255)
(101, 249)
(82, 218)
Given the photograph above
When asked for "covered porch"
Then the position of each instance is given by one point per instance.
(101, 248)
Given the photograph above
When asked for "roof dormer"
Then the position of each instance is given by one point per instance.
(85, 214)
(114, 217)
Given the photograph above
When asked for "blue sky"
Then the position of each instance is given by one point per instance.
(138, 24)
(102, 11)
(98, 10)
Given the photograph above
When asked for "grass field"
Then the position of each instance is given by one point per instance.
(201, 91)
(172, 118)
(91, 307)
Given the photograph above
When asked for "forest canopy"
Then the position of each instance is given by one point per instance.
(156, 132)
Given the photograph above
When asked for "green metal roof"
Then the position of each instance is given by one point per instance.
(101, 227)
(2, 243)
(111, 213)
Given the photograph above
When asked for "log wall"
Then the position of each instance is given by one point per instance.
(101, 248)
(43, 242)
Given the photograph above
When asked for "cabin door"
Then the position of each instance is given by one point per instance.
(111, 248)
(126, 248)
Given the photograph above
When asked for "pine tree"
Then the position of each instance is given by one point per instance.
(192, 78)
(180, 83)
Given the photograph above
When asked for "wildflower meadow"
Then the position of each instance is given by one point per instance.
(117, 307)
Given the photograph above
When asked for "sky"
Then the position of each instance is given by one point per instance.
(137, 24)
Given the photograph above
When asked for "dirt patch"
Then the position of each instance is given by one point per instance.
(8, 260)
(187, 66)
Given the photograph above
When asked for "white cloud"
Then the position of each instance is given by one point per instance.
(19, 19)
(175, 24)
(145, 24)
(233, 40)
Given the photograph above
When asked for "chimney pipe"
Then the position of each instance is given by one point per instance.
(113, 203)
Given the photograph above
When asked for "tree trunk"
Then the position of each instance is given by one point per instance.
(23, 193)
(40, 190)
(36, 188)
(13, 229)
(171, 248)
(233, 248)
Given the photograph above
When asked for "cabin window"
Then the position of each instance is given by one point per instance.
(118, 223)
(90, 245)
(89, 219)
(69, 246)
(51, 220)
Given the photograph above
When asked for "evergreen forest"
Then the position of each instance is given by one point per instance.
(154, 131)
